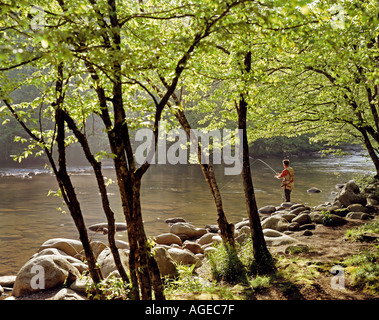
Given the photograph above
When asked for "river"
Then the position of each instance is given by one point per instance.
(28, 217)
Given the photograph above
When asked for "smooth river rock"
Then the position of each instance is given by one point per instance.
(54, 270)
(187, 231)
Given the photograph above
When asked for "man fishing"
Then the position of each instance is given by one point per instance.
(288, 179)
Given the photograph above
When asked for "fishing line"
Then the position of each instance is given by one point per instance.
(263, 163)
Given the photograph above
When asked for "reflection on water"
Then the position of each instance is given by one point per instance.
(28, 217)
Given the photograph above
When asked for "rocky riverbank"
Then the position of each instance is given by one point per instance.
(60, 262)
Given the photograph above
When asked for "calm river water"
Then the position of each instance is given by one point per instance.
(28, 217)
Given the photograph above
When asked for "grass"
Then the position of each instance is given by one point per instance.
(358, 234)
(363, 269)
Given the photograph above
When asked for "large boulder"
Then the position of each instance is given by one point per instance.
(168, 239)
(69, 246)
(187, 231)
(275, 222)
(107, 264)
(166, 264)
(350, 194)
(56, 252)
(44, 272)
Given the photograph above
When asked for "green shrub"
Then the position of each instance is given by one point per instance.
(226, 264)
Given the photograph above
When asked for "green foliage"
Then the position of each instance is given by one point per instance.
(363, 269)
(357, 234)
(226, 264)
(326, 218)
(112, 288)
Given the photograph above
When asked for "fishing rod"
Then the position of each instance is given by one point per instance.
(263, 163)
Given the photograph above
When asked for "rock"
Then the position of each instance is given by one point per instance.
(217, 239)
(66, 294)
(358, 215)
(341, 212)
(209, 250)
(356, 207)
(303, 218)
(165, 262)
(122, 244)
(56, 252)
(206, 238)
(241, 224)
(241, 238)
(271, 233)
(276, 223)
(288, 216)
(298, 210)
(107, 264)
(314, 190)
(350, 194)
(193, 247)
(181, 256)
(69, 246)
(80, 285)
(316, 217)
(308, 226)
(174, 220)
(279, 241)
(245, 230)
(339, 186)
(287, 204)
(97, 247)
(307, 233)
(103, 227)
(212, 228)
(333, 220)
(267, 209)
(1, 290)
(7, 281)
(168, 239)
(297, 205)
(372, 201)
(293, 226)
(187, 231)
(54, 270)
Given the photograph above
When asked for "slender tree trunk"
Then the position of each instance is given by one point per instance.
(371, 151)
(262, 255)
(226, 228)
(103, 193)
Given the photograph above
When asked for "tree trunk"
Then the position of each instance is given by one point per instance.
(103, 193)
(226, 229)
(262, 256)
(370, 150)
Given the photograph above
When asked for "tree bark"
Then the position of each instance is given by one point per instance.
(262, 256)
